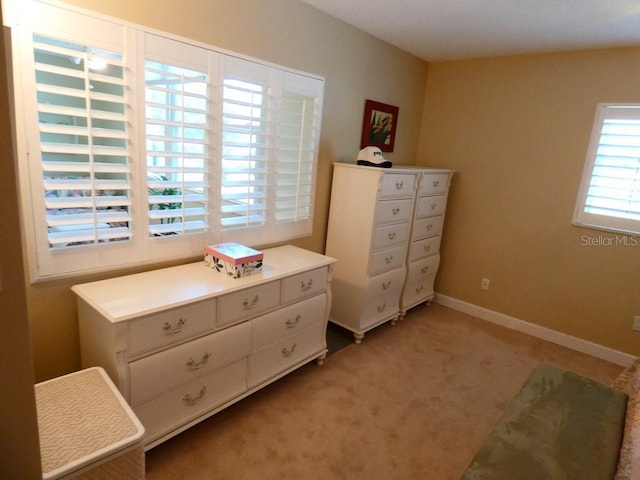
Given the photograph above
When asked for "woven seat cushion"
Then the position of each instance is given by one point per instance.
(560, 426)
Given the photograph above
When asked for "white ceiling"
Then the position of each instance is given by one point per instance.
(437, 30)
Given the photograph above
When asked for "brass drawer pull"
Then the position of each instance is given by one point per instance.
(386, 285)
(287, 353)
(193, 365)
(419, 289)
(424, 269)
(292, 323)
(189, 400)
(436, 183)
(173, 329)
(382, 307)
(429, 227)
(434, 206)
(388, 259)
(248, 305)
(392, 235)
(427, 247)
(305, 286)
(399, 185)
(396, 210)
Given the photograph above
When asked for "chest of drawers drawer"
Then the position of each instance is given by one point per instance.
(382, 306)
(433, 183)
(427, 227)
(287, 321)
(170, 326)
(387, 260)
(393, 211)
(304, 285)
(424, 248)
(423, 268)
(430, 206)
(235, 307)
(156, 373)
(397, 184)
(389, 235)
(385, 283)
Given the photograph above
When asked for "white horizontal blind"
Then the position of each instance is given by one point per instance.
(246, 128)
(82, 116)
(176, 138)
(610, 193)
(298, 133)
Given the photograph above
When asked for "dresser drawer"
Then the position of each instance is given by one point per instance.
(304, 285)
(424, 248)
(281, 355)
(234, 307)
(427, 227)
(387, 260)
(395, 210)
(380, 308)
(156, 373)
(171, 326)
(187, 402)
(397, 184)
(385, 283)
(432, 183)
(430, 206)
(287, 321)
(389, 235)
(418, 291)
(423, 268)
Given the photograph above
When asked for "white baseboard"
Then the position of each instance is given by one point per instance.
(574, 343)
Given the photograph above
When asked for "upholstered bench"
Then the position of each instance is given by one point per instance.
(563, 426)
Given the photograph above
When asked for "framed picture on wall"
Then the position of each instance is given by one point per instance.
(379, 125)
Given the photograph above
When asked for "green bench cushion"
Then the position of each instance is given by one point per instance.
(559, 426)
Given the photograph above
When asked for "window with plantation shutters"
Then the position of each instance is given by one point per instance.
(137, 147)
(609, 197)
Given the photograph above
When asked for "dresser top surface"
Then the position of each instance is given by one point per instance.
(129, 296)
(396, 168)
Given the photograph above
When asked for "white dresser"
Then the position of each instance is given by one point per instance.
(184, 342)
(384, 229)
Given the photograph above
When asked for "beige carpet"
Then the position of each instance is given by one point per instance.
(414, 401)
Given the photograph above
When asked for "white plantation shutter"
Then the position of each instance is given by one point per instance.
(177, 138)
(247, 124)
(270, 131)
(83, 143)
(298, 133)
(609, 197)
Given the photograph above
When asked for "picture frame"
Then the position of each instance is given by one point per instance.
(379, 125)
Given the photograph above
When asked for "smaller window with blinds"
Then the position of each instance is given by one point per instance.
(609, 196)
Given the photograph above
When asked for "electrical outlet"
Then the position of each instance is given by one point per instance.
(484, 284)
(636, 322)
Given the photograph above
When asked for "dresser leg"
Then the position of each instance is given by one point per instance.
(357, 337)
(320, 360)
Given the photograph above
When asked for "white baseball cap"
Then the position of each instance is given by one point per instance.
(372, 157)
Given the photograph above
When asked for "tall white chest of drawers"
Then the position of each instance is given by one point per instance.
(184, 342)
(384, 229)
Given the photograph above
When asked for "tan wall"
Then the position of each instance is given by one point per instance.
(19, 447)
(287, 32)
(516, 130)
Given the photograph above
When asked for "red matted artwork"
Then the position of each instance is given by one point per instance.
(379, 125)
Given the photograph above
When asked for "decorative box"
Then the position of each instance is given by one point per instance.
(233, 259)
